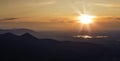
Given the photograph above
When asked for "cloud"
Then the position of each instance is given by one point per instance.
(62, 20)
(48, 3)
(107, 5)
(42, 3)
(107, 18)
(4, 19)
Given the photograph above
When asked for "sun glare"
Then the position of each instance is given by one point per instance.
(86, 19)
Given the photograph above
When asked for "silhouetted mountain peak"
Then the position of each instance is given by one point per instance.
(28, 36)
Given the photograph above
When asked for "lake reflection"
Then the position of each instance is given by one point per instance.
(89, 36)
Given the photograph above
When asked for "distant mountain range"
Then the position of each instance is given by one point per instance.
(23, 31)
(62, 36)
(16, 31)
(38, 34)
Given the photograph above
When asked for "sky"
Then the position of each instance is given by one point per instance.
(58, 14)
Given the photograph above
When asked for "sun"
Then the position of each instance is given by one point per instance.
(86, 19)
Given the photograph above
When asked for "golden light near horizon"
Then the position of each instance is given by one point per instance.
(86, 19)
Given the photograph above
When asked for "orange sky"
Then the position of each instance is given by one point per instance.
(58, 14)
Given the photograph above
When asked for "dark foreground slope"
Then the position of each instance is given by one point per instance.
(29, 48)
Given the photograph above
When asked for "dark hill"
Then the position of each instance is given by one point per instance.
(28, 48)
